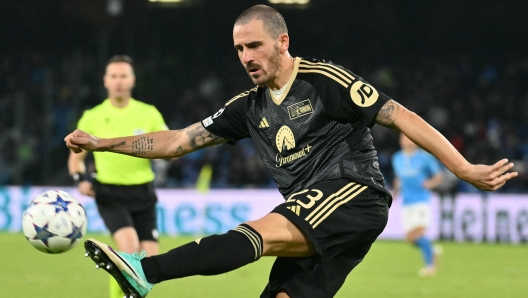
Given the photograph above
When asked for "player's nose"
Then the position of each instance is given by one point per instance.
(246, 56)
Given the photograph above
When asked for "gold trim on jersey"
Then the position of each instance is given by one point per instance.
(341, 72)
(323, 73)
(241, 95)
(281, 98)
(335, 73)
(331, 203)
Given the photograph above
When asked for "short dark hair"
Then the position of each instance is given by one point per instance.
(274, 22)
(120, 58)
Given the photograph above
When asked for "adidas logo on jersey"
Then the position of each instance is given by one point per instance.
(296, 209)
(263, 123)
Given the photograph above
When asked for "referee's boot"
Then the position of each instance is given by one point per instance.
(125, 268)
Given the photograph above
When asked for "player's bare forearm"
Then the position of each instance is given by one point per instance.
(483, 177)
(395, 116)
(161, 144)
(164, 144)
(150, 145)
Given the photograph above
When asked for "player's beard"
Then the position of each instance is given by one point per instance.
(272, 71)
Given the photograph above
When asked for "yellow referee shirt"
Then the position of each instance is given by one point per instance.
(107, 121)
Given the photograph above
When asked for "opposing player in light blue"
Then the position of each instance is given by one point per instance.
(416, 173)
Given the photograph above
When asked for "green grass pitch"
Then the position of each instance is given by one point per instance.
(389, 270)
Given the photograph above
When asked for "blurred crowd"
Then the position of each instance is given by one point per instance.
(480, 105)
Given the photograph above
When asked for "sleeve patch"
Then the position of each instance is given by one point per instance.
(363, 94)
(207, 121)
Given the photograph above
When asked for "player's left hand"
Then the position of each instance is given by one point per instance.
(490, 178)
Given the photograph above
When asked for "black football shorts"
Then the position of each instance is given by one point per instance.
(342, 219)
(128, 206)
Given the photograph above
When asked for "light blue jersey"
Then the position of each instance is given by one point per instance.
(412, 170)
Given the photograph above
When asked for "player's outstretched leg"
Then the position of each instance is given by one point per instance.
(125, 268)
(210, 255)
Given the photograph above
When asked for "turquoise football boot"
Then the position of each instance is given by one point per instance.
(125, 268)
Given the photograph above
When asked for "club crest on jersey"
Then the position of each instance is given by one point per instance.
(300, 109)
(285, 141)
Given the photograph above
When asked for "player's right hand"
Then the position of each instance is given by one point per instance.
(86, 188)
(79, 140)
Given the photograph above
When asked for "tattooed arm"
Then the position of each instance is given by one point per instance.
(395, 116)
(388, 113)
(161, 144)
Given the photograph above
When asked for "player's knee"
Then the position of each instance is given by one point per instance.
(273, 241)
(281, 238)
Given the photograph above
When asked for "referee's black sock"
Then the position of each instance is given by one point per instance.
(210, 255)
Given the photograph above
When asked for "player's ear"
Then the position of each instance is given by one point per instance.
(105, 81)
(105, 76)
(284, 43)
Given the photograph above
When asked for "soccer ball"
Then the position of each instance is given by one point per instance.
(54, 222)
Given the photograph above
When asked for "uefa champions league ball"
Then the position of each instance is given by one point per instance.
(54, 222)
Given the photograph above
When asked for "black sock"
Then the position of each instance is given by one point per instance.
(210, 255)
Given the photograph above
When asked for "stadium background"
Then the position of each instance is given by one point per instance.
(462, 65)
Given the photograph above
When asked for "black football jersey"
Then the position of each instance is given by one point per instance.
(317, 129)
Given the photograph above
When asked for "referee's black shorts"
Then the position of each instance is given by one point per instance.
(128, 206)
(342, 219)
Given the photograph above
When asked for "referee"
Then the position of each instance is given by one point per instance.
(123, 190)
